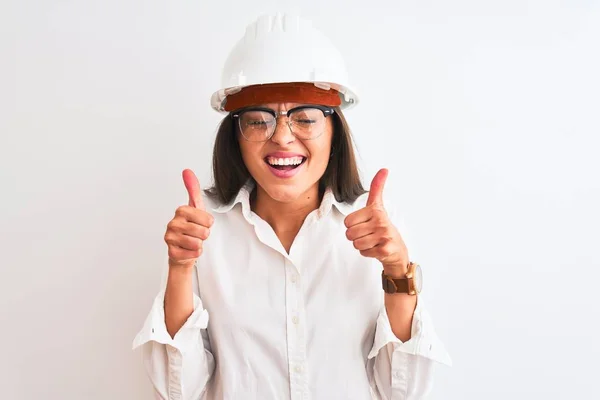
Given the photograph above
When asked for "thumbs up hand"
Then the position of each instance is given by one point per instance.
(374, 235)
(190, 227)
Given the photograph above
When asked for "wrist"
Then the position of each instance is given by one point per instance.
(183, 270)
(396, 271)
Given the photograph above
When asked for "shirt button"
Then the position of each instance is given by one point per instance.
(298, 369)
(295, 320)
(294, 279)
(399, 374)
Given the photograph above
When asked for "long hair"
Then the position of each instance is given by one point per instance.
(230, 173)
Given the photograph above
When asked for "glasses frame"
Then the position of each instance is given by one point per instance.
(327, 111)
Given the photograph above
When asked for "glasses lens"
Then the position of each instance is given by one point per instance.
(307, 123)
(256, 126)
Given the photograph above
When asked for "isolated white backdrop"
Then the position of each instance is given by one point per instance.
(486, 114)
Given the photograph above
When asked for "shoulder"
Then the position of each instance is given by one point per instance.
(358, 204)
(361, 202)
(210, 201)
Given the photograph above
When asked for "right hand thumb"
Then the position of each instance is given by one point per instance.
(193, 188)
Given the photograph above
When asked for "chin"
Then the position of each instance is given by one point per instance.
(287, 192)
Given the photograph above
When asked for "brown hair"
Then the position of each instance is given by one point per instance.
(230, 173)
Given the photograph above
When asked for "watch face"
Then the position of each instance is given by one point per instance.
(418, 279)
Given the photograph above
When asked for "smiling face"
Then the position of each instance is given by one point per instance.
(284, 166)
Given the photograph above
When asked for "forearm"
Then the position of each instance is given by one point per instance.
(179, 298)
(400, 308)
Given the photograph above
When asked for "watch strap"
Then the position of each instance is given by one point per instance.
(394, 285)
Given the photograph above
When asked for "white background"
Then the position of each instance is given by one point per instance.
(486, 114)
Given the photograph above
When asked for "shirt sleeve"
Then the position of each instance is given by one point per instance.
(404, 370)
(179, 367)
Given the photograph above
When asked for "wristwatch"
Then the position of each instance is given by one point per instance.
(410, 284)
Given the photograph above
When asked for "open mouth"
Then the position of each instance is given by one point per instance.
(285, 164)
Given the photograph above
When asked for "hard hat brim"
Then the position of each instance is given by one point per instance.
(347, 95)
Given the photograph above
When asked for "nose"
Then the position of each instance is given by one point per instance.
(283, 134)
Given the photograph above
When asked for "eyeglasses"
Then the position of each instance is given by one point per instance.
(257, 124)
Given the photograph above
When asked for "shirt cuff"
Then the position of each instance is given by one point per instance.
(155, 328)
(423, 340)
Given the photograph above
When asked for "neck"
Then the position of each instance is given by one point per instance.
(286, 219)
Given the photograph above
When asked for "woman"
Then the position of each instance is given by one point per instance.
(305, 277)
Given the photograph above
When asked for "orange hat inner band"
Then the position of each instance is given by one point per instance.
(302, 92)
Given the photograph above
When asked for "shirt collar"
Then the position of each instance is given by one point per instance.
(243, 197)
(329, 200)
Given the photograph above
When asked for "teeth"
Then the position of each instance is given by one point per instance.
(284, 161)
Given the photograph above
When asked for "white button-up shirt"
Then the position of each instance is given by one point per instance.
(310, 324)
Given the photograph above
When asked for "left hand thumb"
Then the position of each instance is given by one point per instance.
(376, 192)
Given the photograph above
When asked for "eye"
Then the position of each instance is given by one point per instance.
(307, 116)
(256, 119)
(256, 122)
(306, 120)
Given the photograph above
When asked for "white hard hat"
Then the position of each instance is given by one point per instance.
(281, 49)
